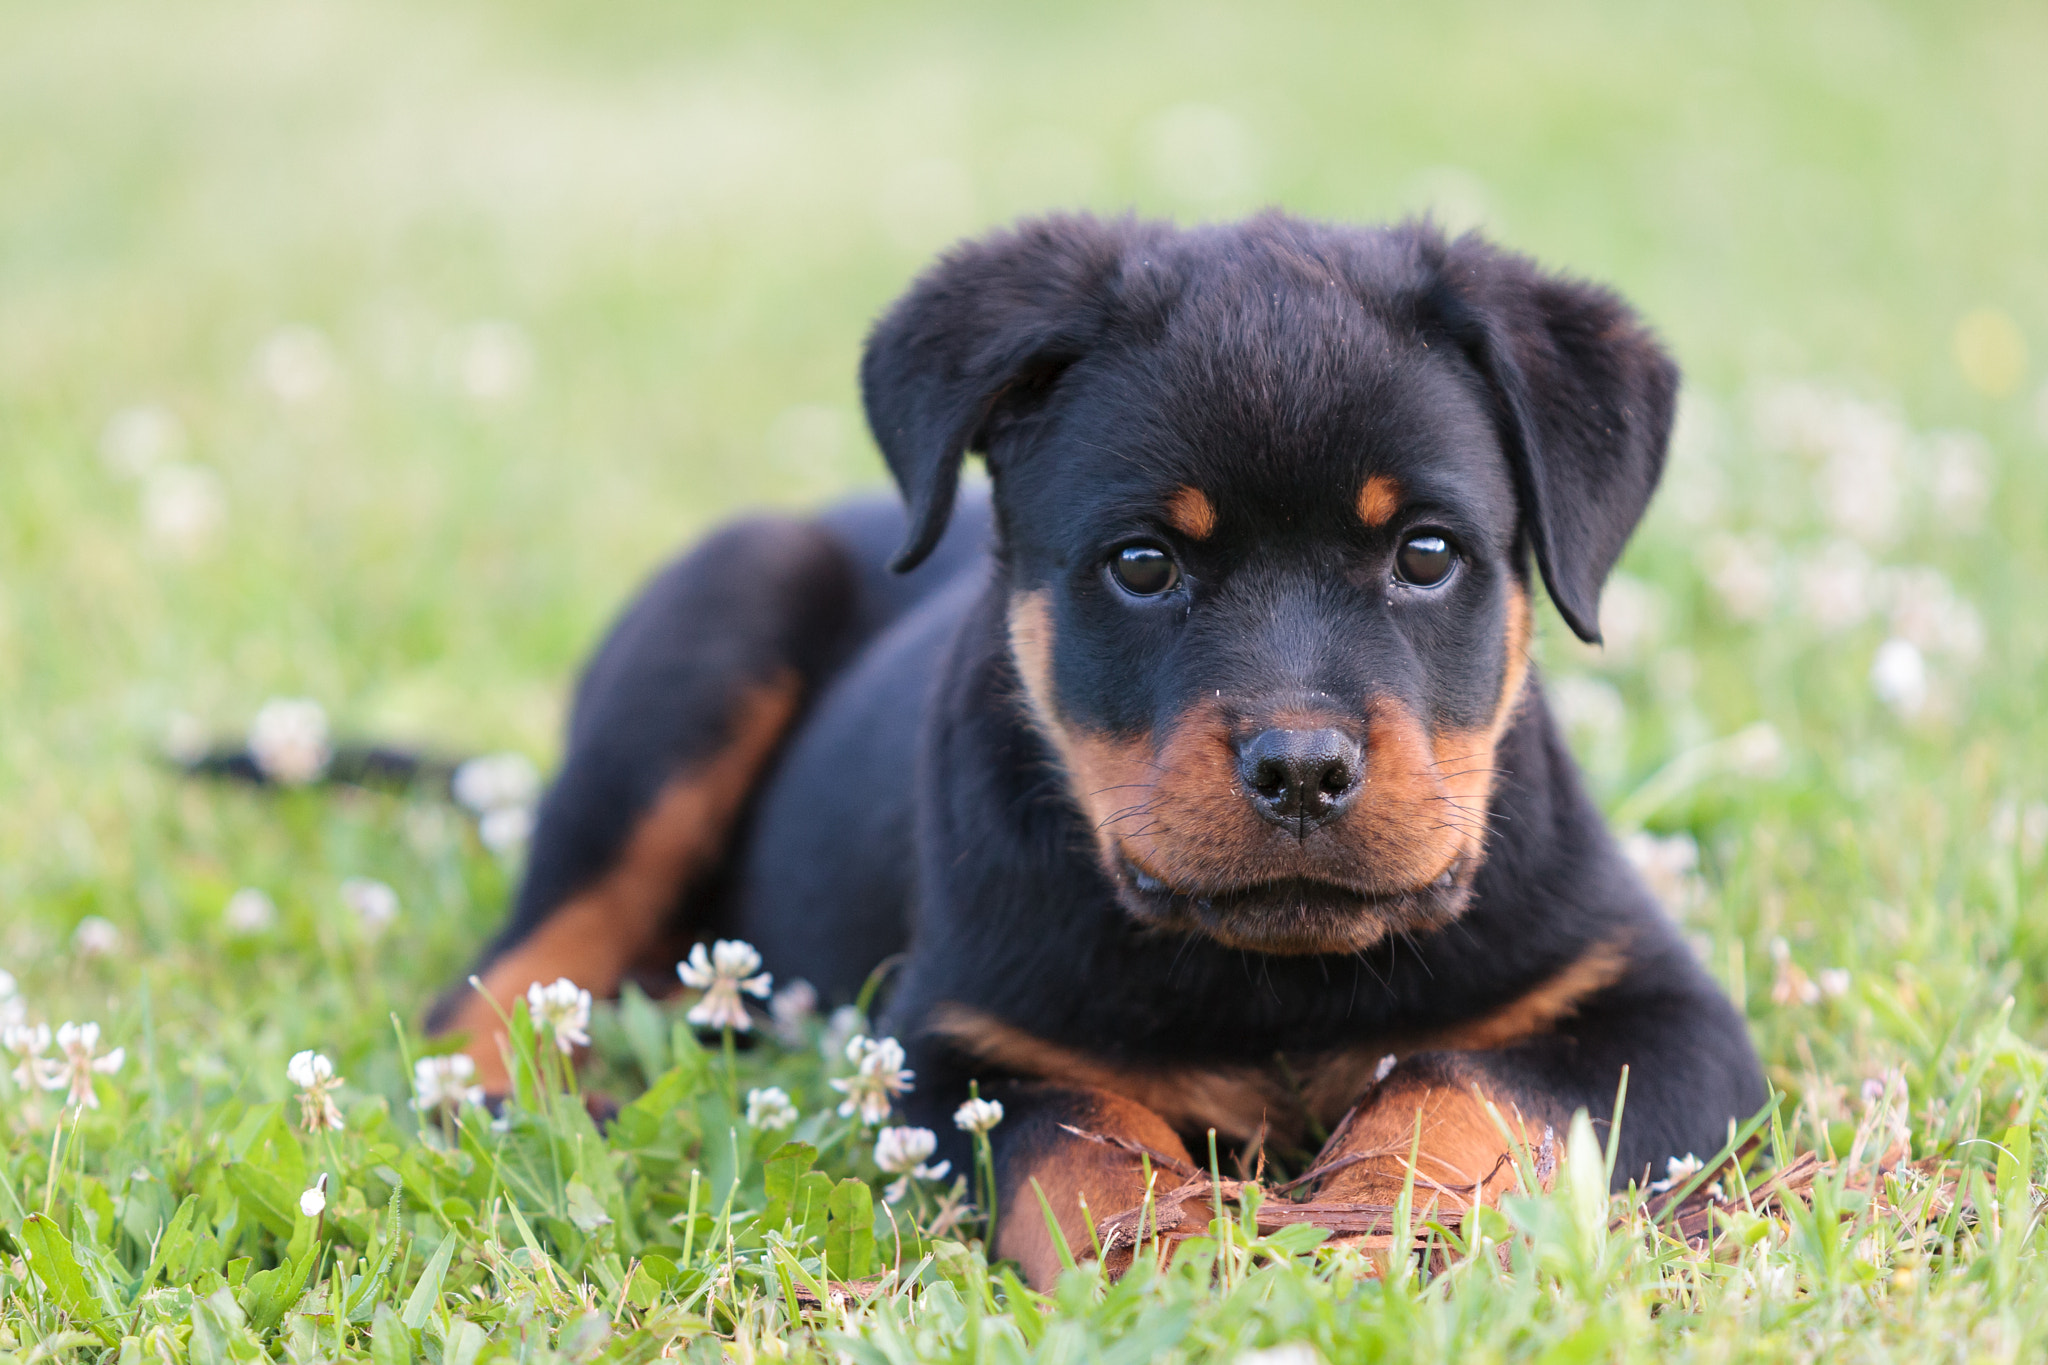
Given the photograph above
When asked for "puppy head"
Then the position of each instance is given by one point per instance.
(1266, 495)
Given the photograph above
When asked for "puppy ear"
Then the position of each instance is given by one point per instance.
(974, 346)
(1586, 396)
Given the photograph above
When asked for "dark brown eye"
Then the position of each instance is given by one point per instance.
(1144, 570)
(1424, 560)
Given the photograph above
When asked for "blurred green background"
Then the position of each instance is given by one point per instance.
(371, 352)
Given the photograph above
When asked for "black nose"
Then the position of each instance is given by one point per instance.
(1300, 777)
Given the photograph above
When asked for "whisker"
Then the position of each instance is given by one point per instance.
(1127, 813)
(1467, 772)
(1373, 971)
(1419, 958)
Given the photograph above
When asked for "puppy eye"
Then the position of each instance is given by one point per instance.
(1144, 570)
(1424, 560)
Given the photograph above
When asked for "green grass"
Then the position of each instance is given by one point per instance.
(687, 216)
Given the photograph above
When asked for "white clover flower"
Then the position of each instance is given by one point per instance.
(489, 361)
(1862, 489)
(375, 904)
(1670, 863)
(1839, 588)
(505, 831)
(898, 1150)
(1589, 709)
(879, 1077)
(729, 969)
(288, 740)
(183, 508)
(428, 828)
(249, 911)
(792, 1008)
(308, 1068)
(1287, 1353)
(491, 782)
(1859, 447)
(296, 363)
(1677, 1171)
(445, 1083)
(72, 1069)
(770, 1109)
(1755, 751)
(313, 1074)
(1631, 618)
(2023, 829)
(96, 936)
(1832, 981)
(1593, 716)
(1794, 416)
(185, 740)
(1742, 570)
(902, 1152)
(1790, 984)
(29, 1043)
(562, 1009)
(978, 1115)
(1962, 465)
(841, 1027)
(137, 439)
(1693, 484)
(1770, 1280)
(1926, 609)
(313, 1202)
(1898, 674)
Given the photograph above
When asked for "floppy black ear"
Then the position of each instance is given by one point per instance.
(974, 345)
(1586, 396)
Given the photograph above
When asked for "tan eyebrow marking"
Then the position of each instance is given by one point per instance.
(1378, 500)
(1191, 513)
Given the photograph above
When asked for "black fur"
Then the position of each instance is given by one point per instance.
(919, 803)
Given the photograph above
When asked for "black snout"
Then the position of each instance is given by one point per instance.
(1301, 778)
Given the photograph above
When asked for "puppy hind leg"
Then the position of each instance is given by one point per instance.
(674, 720)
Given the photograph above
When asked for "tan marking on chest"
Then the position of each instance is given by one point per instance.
(1237, 1101)
(1542, 1008)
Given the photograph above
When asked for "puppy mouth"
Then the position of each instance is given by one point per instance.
(1296, 915)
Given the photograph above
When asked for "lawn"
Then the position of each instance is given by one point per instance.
(368, 353)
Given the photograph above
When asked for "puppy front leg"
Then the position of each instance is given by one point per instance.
(1691, 1075)
(1430, 1115)
(1082, 1180)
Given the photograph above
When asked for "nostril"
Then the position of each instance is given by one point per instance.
(1269, 778)
(1299, 777)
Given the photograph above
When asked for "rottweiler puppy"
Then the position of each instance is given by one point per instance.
(1199, 770)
